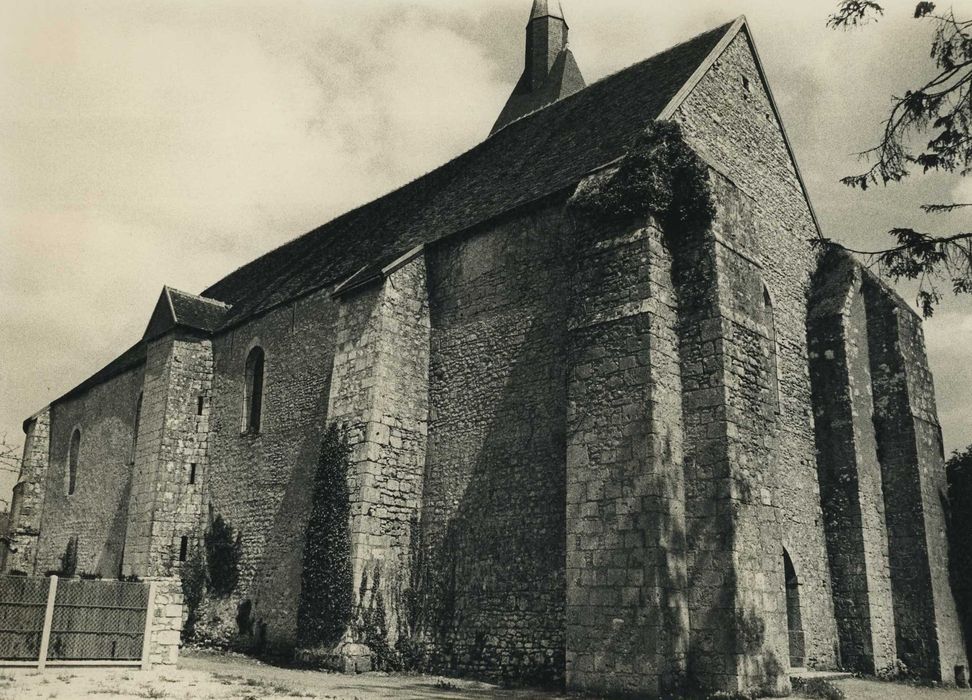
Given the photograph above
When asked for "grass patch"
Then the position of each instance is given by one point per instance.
(442, 684)
(817, 688)
(225, 678)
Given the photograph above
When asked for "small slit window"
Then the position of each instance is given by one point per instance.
(253, 391)
(769, 320)
(74, 450)
(183, 548)
(200, 403)
(138, 419)
(192, 473)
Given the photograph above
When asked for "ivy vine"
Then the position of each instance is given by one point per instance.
(326, 601)
(660, 176)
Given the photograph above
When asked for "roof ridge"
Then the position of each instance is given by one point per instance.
(609, 76)
(527, 160)
(538, 157)
(200, 297)
(469, 154)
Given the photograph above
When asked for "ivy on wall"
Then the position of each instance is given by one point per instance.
(213, 567)
(660, 176)
(194, 578)
(223, 554)
(371, 623)
(69, 560)
(326, 596)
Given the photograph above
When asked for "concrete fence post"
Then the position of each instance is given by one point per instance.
(48, 619)
(147, 634)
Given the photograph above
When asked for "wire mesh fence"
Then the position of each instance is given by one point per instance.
(23, 602)
(84, 621)
(98, 620)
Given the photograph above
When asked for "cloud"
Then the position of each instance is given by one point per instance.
(963, 191)
(150, 143)
(948, 338)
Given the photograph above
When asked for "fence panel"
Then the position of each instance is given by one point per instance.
(23, 602)
(98, 620)
(90, 621)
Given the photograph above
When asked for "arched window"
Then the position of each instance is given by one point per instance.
(769, 320)
(794, 617)
(138, 419)
(73, 452)
(253, 391)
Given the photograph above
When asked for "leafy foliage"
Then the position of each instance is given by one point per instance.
(926, 258)
(327, 589)
(660, 176)
(69, 560)
(852, 13)
(960, 535)
(223, 553)
(194, 579)
(940, 110)
(371, 624)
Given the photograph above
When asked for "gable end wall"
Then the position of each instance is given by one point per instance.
(735, 129)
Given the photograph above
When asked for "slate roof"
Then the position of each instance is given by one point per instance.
(563, 80)
(196, 311)
(130, 359)
(536, 156)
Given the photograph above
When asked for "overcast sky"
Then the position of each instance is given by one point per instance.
(150, 143)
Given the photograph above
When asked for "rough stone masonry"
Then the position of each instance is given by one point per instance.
(625, 457)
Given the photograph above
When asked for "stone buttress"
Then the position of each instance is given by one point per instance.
(730, 403)
(27, 506)
(909, 448)
(173, 435)
(627, 612)
(851, 488)
(674, 544)
(379, 393)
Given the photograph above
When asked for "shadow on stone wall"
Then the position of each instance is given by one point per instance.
(959, 507)
(109, 561)
(491, 587)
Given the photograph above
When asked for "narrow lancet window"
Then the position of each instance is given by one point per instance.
(253, 391)
(73, 453)
(769, 320)
(138, 419)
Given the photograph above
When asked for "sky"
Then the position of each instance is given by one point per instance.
(170, 142)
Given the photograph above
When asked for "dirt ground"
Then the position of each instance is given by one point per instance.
(205, 676)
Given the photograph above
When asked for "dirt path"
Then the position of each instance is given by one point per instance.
(205, 676)
(202, 676)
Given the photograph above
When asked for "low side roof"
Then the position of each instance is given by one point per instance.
(175, 308)
(531, 158)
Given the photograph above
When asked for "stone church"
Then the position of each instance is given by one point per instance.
(622, 456)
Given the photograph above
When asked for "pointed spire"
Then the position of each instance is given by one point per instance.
(546, 39)
(549, 72)
(547, 8)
